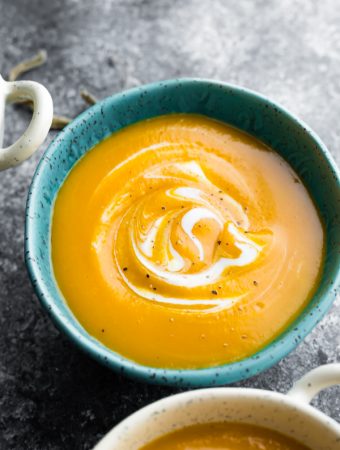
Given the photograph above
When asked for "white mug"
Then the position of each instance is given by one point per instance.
(36, 132)
(289, 414)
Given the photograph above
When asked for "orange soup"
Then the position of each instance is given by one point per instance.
(181, 242)
(227, 436)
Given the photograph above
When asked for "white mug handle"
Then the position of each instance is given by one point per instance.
(40, 123)
(315, 381)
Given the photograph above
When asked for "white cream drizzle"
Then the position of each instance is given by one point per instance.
(177, 262)
(212, 305)
(249, 252)
(148, 243)
(192, 218)
(195, 206)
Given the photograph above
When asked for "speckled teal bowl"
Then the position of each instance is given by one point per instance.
(244, 109)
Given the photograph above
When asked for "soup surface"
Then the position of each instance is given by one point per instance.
(224, 436)
(181, 242)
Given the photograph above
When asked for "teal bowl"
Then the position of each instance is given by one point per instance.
(243, 109)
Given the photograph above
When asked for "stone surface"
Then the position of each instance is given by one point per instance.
(51, 395)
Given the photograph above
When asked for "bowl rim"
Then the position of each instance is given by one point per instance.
(217, 395)
(223, 374)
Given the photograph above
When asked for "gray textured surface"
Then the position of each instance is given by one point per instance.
(52, 396)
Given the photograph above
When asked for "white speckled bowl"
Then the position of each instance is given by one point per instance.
(288, 414)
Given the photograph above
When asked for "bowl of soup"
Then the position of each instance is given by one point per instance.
(233, 419)
(185, 232)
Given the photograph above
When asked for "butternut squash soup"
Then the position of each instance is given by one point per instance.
(224, 436)
(181, 242)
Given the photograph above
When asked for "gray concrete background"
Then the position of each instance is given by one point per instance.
(51, 395)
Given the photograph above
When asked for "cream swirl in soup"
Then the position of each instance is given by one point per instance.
(188, 241)
(182, 242)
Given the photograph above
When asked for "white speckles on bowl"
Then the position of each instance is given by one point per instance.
(289, 414)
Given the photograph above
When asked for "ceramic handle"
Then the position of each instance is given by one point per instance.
(315, 381)
(40, 123)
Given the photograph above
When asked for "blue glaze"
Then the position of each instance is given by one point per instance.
(242, 108)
